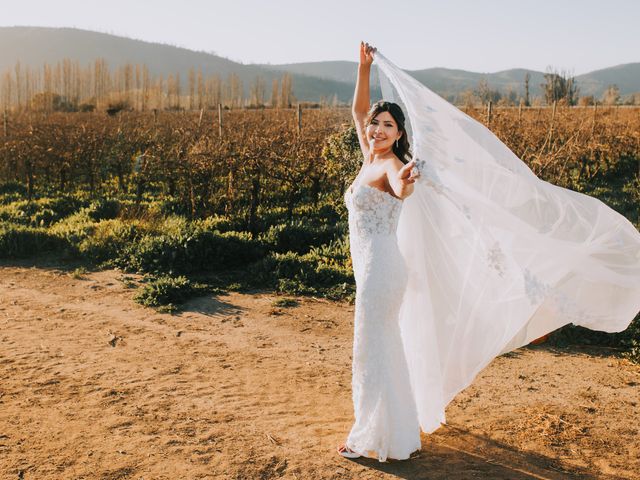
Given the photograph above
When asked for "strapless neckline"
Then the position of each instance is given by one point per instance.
(350, 190)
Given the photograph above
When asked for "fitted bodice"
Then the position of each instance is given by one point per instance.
(372, 211)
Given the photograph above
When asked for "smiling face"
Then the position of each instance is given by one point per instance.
(382, 132)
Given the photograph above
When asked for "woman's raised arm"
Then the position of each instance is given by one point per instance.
(361, 97)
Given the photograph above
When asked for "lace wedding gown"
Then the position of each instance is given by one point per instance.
(386, 419)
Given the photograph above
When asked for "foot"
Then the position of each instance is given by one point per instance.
(347, 452)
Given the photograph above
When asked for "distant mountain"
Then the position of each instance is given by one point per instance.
(626, 77)
(449, 82)
(34, 46)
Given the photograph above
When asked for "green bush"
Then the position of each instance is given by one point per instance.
(17, 241)
(329, 212)
(108, 238)
(298, 236)
(103, 209)
(627, 340)
(39, 213)
(7, 198)
(266, 217)
(20, 212)
(13, 188)
(221, 223)
(74, 229)
(301, 274)
(166, 291)
(191, 251)
(168, 206)
(335, 253)
(631, 341)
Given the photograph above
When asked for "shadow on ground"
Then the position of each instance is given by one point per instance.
(454, 452)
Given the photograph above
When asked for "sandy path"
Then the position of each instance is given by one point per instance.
(96, 386)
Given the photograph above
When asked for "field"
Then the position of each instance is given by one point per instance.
(249, 198)
(176, 296)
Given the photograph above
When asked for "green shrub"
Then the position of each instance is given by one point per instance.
(631, 341)
(168, 206)
(108, 238)
(266, 218)
(297, 236)
(13, 188)
(19, 212)
(7, 198)
(175, 226)
(41, 212)
(301, 274)
(335, 253)
(191, 251)
(285, 302)
(17, 241)
(329, 212)
(74, 229)
(221, 223)
(166, 291)
(103, 209)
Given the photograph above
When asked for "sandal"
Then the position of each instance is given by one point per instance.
(347, 452)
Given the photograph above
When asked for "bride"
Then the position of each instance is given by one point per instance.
(460, 255)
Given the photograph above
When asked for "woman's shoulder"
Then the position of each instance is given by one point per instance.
(393, 160)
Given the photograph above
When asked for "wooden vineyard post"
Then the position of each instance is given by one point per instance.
(553, 116)
(200, 118)
(519, 112)
(489, 109)
(220, 120)
(595, 111)
(5, 123)
(299, 115)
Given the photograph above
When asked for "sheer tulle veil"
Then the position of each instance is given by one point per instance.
(497, 257)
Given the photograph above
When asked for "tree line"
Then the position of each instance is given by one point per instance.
(67, 86)
(559, 87)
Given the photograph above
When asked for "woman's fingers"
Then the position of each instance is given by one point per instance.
(408, 167)
(407, 173)
(367, 49)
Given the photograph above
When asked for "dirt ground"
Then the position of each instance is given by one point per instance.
(94, 386)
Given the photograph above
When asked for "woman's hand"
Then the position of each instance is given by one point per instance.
(366, 54)
(407, 175)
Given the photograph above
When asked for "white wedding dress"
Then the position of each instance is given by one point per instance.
(481, 259)
(386, 419)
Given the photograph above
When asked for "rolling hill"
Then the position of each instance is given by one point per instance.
(34, 46)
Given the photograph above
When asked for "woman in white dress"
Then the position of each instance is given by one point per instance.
(459, 256)
(386, 418)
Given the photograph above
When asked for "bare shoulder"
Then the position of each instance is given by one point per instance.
(393, 163)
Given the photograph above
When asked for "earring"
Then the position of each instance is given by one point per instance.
(396, 143)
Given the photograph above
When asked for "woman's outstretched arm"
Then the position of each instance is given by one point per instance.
(361, 97)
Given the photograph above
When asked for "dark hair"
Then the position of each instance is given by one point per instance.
(402, 151)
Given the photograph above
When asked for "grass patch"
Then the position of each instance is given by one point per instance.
(285, 303)
(166, 293)
(79, 273)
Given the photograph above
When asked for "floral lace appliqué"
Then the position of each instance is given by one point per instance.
(538, 291)
(496, 258)
(373, 211)
(429, 176)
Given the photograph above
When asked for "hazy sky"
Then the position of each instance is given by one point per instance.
(482, 35)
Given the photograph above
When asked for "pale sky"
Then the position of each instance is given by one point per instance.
(481, 36)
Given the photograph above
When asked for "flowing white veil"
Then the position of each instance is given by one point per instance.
(497, 257)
